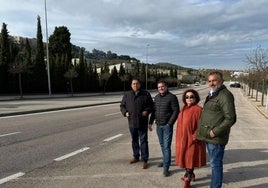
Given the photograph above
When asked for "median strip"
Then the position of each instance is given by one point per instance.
(9, 178)
(71, 154)
(113, 137)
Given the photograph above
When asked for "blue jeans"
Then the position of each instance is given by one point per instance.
(140, 135)
(165, 133)
(216, 153)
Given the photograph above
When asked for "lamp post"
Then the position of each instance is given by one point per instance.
(48, 69)
(146, 67)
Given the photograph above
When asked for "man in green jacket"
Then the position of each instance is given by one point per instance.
(217, 118)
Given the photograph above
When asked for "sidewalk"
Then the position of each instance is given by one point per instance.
(257, 102)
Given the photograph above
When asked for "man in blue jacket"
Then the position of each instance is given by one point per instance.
(136, 105)
(166, 110)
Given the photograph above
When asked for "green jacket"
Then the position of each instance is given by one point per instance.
(218, 115)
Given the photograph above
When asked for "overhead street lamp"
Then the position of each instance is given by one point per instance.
(146, 67)
(48, 69)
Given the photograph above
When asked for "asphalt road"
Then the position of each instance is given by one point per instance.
(33, 141)
(90, 147)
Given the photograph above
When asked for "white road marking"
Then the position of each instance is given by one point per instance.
(112, 114)
(249, 141)
(71, 154)
(113, 137)
(8, 134)
(11, 177)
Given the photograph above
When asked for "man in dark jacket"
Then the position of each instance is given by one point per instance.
(217, 118)
(166, 110)
(136, 105)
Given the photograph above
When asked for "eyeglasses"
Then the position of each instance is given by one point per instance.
(189, 97)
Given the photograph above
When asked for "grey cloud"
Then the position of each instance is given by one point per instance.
(197, 33)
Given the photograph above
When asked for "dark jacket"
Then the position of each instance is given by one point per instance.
(166, 109)
(135, 105)
(218, 115)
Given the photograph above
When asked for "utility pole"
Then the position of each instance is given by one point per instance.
(146, 67)
(48, 69)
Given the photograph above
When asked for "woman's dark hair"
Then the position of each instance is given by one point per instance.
(196, 95)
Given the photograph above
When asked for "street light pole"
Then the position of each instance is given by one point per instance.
(146, 67)
(48, 69)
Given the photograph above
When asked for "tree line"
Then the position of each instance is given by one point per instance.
(23, 66)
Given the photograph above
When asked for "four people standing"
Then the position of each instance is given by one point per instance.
(196, 128)
(165, 113)
(217, 118)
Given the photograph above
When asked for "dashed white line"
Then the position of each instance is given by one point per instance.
(113, 137)
(8, 134)
(71, 154)
(9, 178)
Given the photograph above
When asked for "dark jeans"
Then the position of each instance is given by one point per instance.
(140, 135)
(165, 133)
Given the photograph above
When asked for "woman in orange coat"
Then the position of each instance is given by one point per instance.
(190, 152)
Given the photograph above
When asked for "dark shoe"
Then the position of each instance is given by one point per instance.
(166, 173)
(134, 160)
(144, 165)
(160, 165)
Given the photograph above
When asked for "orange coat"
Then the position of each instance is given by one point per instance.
(189, 152)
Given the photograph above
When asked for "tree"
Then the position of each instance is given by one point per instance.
(39, 77)
(4, 58)
(94, 79)
(258, 59)
(59, 44)
(122, 70)
(82, 71)
(111, 55)
(26, 50)
(70, 75)
(136, 70)
(28, 53)
(98, 54)
(19, 67)
(115, 82)
(60, 56)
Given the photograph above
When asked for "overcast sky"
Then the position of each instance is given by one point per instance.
(191, 33)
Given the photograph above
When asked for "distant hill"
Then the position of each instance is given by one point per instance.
(170, 65)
